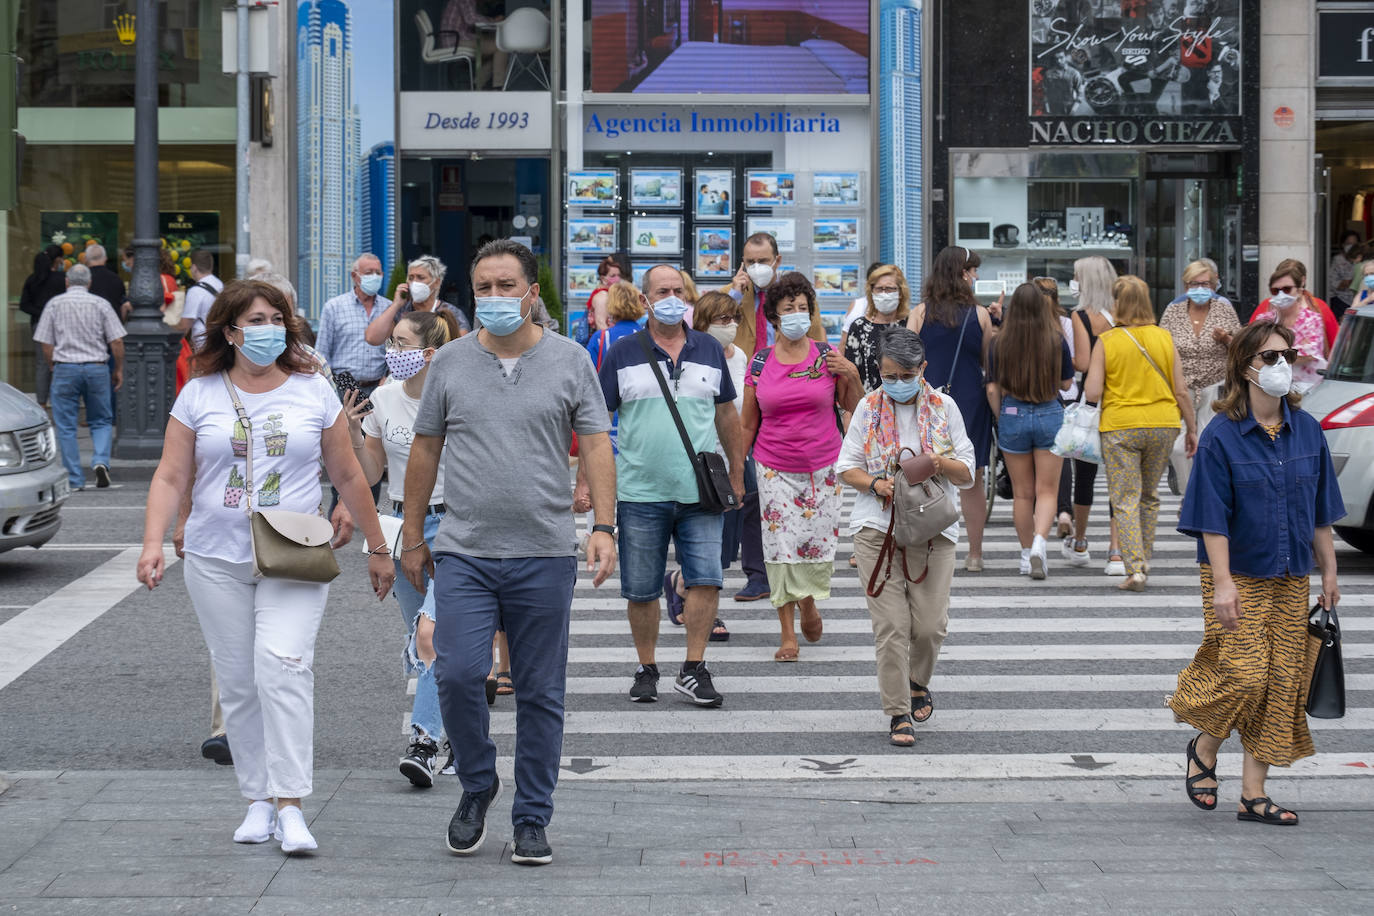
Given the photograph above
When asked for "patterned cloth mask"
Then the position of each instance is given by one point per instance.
(402, 364)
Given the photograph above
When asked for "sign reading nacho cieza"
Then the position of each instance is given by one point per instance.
(1149, 72)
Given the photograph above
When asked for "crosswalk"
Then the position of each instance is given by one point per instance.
(1036, 680)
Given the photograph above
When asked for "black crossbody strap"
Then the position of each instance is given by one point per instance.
(648, 349)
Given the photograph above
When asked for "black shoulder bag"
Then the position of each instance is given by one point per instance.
(714, 491)
(1326, 694)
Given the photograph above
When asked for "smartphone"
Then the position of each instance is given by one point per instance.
(345, 382)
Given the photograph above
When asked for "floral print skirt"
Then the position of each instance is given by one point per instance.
(801, 527)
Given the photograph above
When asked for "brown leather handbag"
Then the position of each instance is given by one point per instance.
(921, 511)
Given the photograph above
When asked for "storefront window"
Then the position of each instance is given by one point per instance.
(72, 195)
(80, 54)
(471, 45)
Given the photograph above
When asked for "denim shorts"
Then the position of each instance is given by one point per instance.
(1023, 427)
(645, 529)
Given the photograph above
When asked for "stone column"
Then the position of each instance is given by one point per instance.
(1288, 47)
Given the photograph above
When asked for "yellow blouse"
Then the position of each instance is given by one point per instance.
(1135, 396)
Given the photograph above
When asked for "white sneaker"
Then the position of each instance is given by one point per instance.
(1039, 563)
(1025, 562)
(258, 824)
(1115, 567)
(1073, 556)
(292, 832)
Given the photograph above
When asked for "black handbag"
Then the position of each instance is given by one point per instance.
(715, 493)
(1326, 694)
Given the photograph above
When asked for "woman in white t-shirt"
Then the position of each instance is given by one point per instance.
(261, 632)
(381, 439)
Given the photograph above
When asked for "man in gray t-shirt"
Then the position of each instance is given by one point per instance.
(502, 405)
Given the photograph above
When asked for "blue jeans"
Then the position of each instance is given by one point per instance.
(1023, 427)
(531, 599)
(424, 713)
(72, 384)
(645, 529)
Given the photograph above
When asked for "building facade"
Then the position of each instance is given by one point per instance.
(377, 203)
(327, 190)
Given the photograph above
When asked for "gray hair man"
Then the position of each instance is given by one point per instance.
(344, 320)
(78, 331)
(105, 282)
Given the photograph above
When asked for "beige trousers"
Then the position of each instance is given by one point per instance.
(910, 621)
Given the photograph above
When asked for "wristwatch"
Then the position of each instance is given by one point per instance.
(873, 486)
(607, 529)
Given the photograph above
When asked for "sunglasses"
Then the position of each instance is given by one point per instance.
(1289, 290)
(1271, 357)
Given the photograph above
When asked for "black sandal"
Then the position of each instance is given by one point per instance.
(723, 636)
(1204, 772)
(1273, 814)
(901, 727)
(923, 699)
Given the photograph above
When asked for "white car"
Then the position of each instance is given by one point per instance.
(33, 483)
(1344, 403)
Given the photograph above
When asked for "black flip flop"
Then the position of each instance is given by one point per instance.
(1204, 772)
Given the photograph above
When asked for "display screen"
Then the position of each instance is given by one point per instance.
(1147, 58)
(729, 46)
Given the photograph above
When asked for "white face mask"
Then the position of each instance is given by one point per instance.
(1282, 300)
(1073, 286)
(419, 291)
(886, 302)
(760, 274)
(1276, 380)
(724, 333)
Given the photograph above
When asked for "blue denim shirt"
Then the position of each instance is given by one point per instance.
(1267, 497)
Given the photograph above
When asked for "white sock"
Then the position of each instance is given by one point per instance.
(258, 824)
(291, 830)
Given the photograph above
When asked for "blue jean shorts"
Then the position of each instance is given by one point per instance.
(645, 530)
(1023, 427)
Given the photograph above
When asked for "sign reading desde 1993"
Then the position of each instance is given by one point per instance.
(476, 120)
(496, 120)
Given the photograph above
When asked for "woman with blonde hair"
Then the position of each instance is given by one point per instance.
(1092, 282)
(889, 303)
(1202, 326)
(624, 307)
(1135, 374)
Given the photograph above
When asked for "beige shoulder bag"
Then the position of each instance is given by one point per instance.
(286, 545)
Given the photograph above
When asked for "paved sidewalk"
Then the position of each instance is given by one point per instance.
(158, 842)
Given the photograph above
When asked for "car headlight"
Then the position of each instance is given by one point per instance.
(10, 454)
(49, 439)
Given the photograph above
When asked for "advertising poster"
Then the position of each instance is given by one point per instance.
(713, 188)
(715, 252)
(772, 189)
(835, 234)
(639, 268)
(655, 187)
(593, 235)
(833, 189)
(1147, 58)
(598, 188)
(73, 230)
(184, 231)
(654, 47)
(783, 229)
(833, 322)
(581, 280)
(655, 235)
(836, 279)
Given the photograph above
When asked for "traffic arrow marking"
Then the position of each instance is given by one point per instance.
(1086, 762)
(582, 766)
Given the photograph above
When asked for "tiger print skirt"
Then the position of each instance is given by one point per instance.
(1253, 679)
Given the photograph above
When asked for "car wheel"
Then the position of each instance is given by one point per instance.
(1362, 539)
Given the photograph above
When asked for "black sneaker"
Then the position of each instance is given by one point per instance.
(217, 749)
(645, 689)
(468, 827)
(102, 476)
(695, 684)
(448, 769)
(531, 846)
(418, 763)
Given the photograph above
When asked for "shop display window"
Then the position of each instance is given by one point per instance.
(473, 45)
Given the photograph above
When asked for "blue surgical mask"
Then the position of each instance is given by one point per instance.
(794, 325)
(902, 390)
(1368, 281)
(370, 284)
(501, 315)
(1200, 294)
(670, 310)
(263, 343)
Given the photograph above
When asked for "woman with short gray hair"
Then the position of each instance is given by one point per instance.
(910, 612)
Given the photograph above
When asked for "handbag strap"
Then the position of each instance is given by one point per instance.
(958, 347)
(647, 347)
(247, 425)
(889, 552)
(1146, 353)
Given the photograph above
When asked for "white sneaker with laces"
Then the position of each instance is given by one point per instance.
(1039, 563)
(292, 832)
(1025, 562)
(258, 824)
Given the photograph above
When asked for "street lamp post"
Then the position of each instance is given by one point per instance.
(150, 349)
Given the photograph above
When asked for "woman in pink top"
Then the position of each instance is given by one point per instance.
(795, 394)
(1291, 305)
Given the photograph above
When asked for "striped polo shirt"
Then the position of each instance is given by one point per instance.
(652, 465)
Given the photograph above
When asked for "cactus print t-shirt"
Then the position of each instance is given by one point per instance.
(287, 423)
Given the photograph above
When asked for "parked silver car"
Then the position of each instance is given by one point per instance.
(1344, 403)
(33, 483)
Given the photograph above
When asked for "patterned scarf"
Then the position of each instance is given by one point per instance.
(880, 441)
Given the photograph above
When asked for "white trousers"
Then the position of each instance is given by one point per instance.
(1202, 405)
(261, 635)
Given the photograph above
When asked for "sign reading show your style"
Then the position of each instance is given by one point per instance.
(445, 121)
